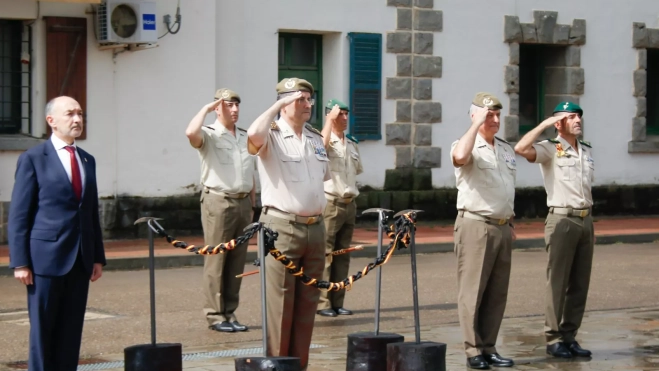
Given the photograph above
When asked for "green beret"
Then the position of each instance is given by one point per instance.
(569, 107)
(227, 95)
(335, 102)
(292, 84)
(483, 99)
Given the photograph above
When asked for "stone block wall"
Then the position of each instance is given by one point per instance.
(411, 88)
(643, 38)
(564, 76)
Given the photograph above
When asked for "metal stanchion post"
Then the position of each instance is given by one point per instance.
(153, 356)
(367, 351)
(264, 312)
(417, 355)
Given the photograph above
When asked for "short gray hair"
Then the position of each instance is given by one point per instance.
(49, 106)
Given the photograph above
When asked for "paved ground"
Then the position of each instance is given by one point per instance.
(621, 326)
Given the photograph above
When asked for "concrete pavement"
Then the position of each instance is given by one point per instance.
(621, 325)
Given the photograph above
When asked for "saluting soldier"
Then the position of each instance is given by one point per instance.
(227, 201)
(485, 171)
(293, 165)
(567, 168)
(340, 212)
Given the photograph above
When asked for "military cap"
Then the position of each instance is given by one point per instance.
(227, 95)
(292, 84)
(569, 107)
(335, 102)
(484, 99)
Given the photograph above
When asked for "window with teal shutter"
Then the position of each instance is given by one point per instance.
(365, 85)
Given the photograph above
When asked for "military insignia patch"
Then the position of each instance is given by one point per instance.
(225, 94)
(487, 101)
(289, 84)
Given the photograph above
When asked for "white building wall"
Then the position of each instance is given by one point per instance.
(139, 103)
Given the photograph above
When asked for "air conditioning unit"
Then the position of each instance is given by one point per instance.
(127, 22)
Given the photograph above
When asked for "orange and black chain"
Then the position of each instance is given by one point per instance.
(399, 235)
(399, 239)
(208, 249)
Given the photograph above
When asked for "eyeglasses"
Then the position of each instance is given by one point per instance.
(311, 101)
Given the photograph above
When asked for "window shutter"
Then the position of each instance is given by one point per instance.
(365, 85)
(66, 65)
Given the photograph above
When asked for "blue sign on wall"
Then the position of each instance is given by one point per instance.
(149, 21)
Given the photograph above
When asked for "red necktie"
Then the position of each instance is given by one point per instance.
(76, 179)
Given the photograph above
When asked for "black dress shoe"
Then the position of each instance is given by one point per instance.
(477, 363)
(343, 311)
(577, 350)
(496, 360)
(559, 350)
(222, 327)
(327, 313)
(238, 327)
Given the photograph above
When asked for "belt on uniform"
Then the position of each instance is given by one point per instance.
(267, 210)
(581, 213)
(226, 195)
(486, 219)
(339, 200)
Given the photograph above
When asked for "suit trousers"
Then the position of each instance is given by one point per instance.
(339, 225)
(56, 307)
(223, 219)
(291, 305)
(484, 259)
(570, 243)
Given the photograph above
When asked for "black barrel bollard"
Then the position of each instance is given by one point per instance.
(265, 363)
(268, 364)
(416, 356)
(161, 357)
(424, 356)
(367, 351)
(154, 356)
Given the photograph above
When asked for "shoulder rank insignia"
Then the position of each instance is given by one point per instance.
(207, 127)
(553, 140)
(502, 140)
(351, 138)
(587, 144)
(311, 128)
(273, 126)
(241, 129)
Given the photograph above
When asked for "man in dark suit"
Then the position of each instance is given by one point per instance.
(55, 241)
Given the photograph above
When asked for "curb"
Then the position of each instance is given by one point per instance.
(369, 251)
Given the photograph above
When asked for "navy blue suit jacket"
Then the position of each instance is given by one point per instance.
(48, 226)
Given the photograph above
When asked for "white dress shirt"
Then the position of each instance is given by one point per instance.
(65, 158)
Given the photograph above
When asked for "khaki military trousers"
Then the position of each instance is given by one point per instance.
(339, 221)
(570, 243)
(223, 219)
(484, 258)
(291, 305)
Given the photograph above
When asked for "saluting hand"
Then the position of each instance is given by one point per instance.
(551, 121)
(283, 102)
(332, 115)
(210, 107)
(479, 116)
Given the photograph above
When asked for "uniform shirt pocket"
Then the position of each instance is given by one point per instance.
(567, 166)
(224, 152)
(487, 172)
(292, 166)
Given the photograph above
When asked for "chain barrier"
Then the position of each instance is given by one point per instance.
(398, 233)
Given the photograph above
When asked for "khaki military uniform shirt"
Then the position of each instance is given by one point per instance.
(345, 164)
(569, 175)
(292, 171)
(486, 183)
(226, 166)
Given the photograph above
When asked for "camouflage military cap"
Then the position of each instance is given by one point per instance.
(227, 95)
(293, 84)
(484, 99)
